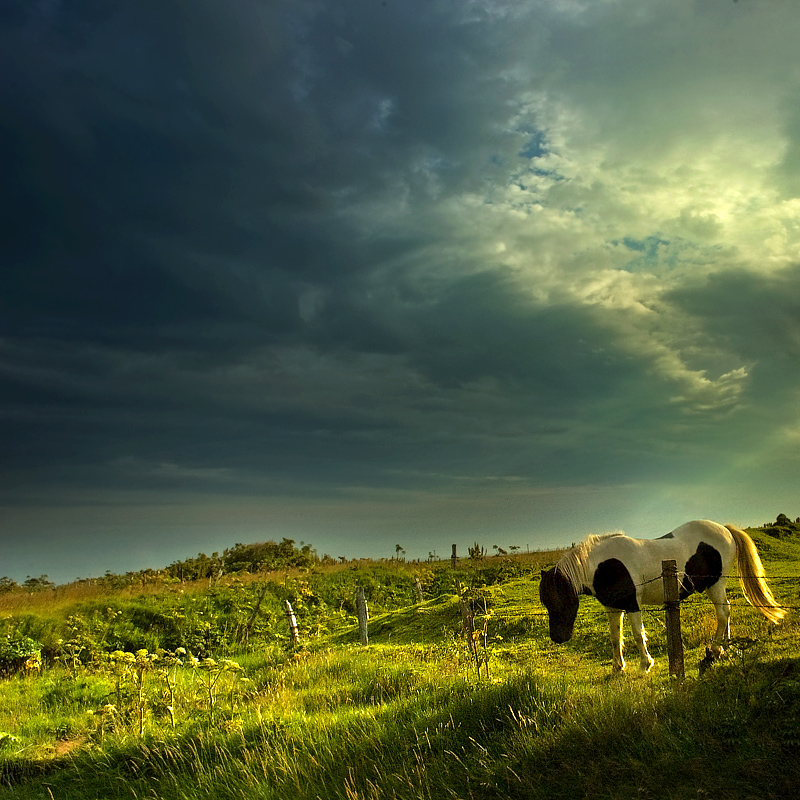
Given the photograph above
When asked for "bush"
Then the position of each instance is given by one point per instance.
(18, 653)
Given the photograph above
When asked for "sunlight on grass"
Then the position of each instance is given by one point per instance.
(408, 716)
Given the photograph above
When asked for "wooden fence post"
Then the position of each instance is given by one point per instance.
(468, 618)
(418, 587)
(292, 620)
(363, 616)
(468, 621)
(669, 573)
(453, 558)
(245, 637)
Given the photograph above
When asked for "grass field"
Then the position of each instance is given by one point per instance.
(122, 708)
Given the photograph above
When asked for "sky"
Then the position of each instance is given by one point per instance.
(363, 273)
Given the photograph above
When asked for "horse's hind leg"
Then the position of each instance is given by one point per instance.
(615, 629)
(722, 608)
(645, 659)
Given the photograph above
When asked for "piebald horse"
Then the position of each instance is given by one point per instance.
(624, 574)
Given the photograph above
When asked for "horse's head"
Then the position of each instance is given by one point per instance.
(560, 599)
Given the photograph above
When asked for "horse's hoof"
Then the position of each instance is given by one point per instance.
(707, 662)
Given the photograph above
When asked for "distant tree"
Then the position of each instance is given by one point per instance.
(7, 585)
(476, 552)
(38, 584)
(252, 558)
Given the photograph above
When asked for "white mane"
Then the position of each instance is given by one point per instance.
(574, 564)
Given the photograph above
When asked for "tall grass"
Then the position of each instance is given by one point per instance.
(528, 736)
(409, 717)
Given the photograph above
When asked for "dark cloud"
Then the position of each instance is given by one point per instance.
(477, 327)
(313, 249)
(756, 317)
(187, 162)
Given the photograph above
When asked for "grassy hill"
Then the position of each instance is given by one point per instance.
(194, 690)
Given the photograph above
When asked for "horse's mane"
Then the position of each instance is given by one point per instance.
(574, 564)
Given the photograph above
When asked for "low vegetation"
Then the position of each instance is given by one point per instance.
(147, 685)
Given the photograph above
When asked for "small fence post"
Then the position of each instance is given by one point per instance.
(453, 558)
(469, 625)
(245, 637)
(292, 620)
(468, 618)
(418, 587)
(669, 573)
(363, 615)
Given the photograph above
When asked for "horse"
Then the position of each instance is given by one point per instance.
(624, 574)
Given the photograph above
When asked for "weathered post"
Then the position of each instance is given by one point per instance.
(363, 615)
(245, 636)
(418, 587)
(468, 620)
(292, 620)
(669, 574)
(453, 558)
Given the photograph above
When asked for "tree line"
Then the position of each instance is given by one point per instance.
(241, 558)
(249, 558)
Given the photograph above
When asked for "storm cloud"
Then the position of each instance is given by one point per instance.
(361, 272)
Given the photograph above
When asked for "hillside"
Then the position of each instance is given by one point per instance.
(195, 690)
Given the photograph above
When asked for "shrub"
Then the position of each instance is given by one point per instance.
(19, 653)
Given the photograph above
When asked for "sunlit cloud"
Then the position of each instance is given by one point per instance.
(534, 259)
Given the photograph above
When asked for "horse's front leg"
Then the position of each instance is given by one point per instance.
(615, 629)
(645, 659)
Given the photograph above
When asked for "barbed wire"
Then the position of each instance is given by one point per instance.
(693, 577)
(688, 604)
(650, 610)
(733, 604)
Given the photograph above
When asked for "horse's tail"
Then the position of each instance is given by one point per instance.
(751, 576)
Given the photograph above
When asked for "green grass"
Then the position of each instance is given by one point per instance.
(531, 736)
(409, 716)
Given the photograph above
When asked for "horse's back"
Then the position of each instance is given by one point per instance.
(643, 558)
(689, 536)
(701, 534)
(700, 527)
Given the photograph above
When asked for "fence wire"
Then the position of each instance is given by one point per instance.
(687, 603)
(732, 603)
